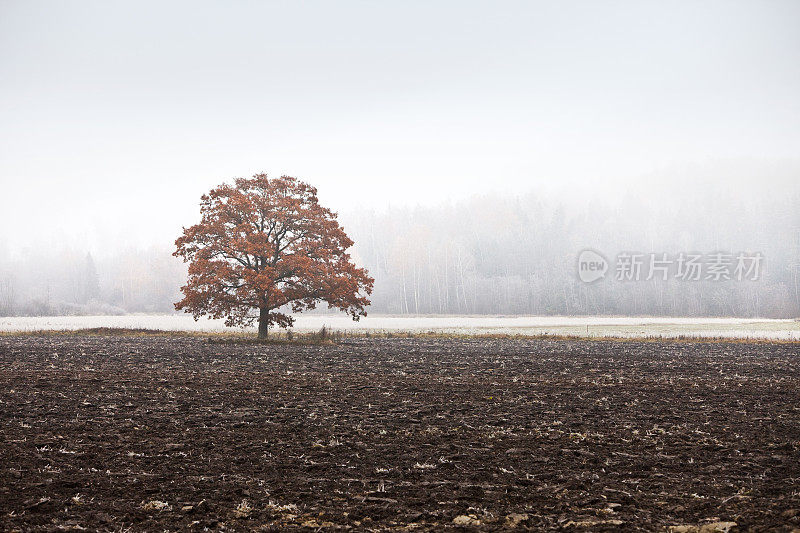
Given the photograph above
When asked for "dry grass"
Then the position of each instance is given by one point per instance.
(562, 337)
(323, 336)
(106, 332)
(330, 336)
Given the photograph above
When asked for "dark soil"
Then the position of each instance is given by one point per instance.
(158, 432)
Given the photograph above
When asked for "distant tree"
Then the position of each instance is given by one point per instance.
(91, 283)
(263, 244)
(6, 297)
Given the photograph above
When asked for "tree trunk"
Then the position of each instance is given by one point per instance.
(263, 323)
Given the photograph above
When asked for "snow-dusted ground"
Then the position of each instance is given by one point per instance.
(523, 325)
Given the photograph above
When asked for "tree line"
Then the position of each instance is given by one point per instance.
(500, 254)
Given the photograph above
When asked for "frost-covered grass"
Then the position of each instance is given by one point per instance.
(308, 326)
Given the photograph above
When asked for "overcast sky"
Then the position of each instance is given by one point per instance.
(116, 116)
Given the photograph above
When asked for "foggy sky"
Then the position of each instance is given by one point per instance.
(116, 116)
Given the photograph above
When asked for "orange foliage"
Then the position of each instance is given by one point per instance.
(263, 244)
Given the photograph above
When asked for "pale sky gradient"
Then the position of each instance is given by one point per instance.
(116, 116)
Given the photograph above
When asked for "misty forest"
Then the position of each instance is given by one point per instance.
(499, 254)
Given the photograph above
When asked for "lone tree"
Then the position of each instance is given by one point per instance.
(263, 244)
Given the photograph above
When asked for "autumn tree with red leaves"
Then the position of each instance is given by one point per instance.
(265, 244)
